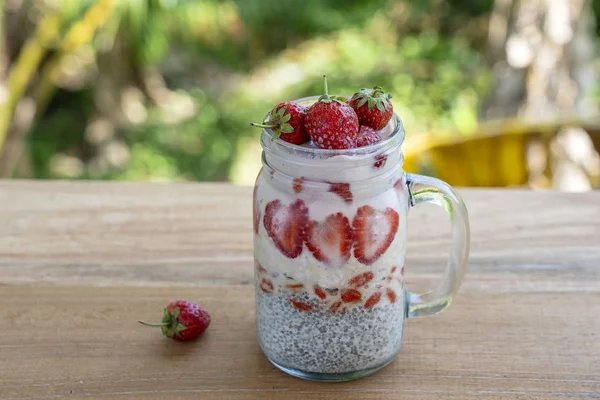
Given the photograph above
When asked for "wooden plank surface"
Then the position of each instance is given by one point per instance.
(80, 263)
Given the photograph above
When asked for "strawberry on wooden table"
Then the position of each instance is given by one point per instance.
(331, 123)
(373, 231)
(286, 121)
(286, 226)
(183, 320)
(373, 107)
(330, 241)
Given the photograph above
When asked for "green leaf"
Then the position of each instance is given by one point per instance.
(180, 328)
(380, 106)
(276, 134)
(286, 128)
(362, 102)
(285, 118)
(166, 316)
(175, 313)
(371, 102)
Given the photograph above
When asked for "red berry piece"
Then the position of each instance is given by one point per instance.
(351, 296)
(372, 300)
(256, 211)
(361, 279)
(320, 292)
(335, 307)
(393, 269)
(331, 240)
(294, 286)
(301, 305)
(380, 161)
(260, 269)
(342, 190)
(367, 136)
(286, 226)
(373, 107)
(331, 123)
(183, 320)
(297, 184)
(286, 121)
(374, 232)
(266, 286)
(398, 186)
(391, 295)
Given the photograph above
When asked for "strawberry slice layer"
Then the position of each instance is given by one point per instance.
(286, 226)
(330, 241)
(373, 231)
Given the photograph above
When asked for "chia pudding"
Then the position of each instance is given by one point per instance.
(323, 342)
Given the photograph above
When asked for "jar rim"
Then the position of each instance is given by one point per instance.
(393, 140)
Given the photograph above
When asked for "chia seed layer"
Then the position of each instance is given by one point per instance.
(322, 342)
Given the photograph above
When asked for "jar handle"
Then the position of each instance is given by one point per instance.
(424, 189)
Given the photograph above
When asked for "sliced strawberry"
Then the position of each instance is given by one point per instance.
(297, 184)
(374, 232)
(286, 226)
(372, 300)
(331, 240)
(342, 190)
(320, 292)
(361, 279)
(335, 306)
(391, 295)
(266, 286)
(351, 295)
(380, 161)
(294, 286)
(398, 186)
(301, 305)
(260, 269)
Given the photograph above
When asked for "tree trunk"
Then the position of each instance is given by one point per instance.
(542, 52)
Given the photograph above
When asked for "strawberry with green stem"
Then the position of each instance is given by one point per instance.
(183, 320)
(286, 121)
(373, 107)
(331, 123)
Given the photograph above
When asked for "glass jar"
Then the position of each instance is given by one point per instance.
(329, 247)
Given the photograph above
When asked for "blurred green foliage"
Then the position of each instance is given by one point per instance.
(234, 60)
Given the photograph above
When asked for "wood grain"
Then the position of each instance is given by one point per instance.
(80, 263)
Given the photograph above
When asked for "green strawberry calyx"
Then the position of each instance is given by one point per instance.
(326, 98)
(170, 325)
(375, 97)
(278, 122)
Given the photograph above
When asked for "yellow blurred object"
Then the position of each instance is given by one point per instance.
(495, 154)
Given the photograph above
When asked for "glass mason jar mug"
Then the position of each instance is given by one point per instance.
(329, 247)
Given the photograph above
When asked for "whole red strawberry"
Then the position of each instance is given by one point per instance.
(331, 123)
(373, 107)
(286, 121)
(183, 320)
(367, 136)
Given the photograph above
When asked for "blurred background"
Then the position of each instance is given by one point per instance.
(492, 92)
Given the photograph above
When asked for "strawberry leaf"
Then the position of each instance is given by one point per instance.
(380, 106)
(285, 118)
(286, 128)
(362, 102)
(371, 102)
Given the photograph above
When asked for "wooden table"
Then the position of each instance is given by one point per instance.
(80, 263)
